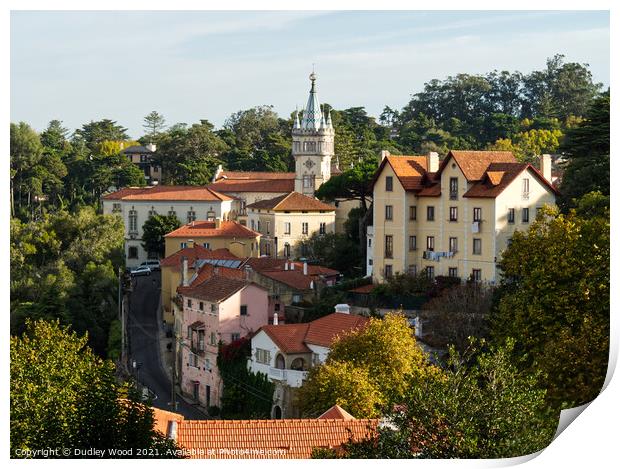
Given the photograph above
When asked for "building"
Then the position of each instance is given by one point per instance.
(188, 203)
(264, 439)
(215, 234)
(285, 353)
(284, 221)
(218, 309)
(142, 156)
(454, 218)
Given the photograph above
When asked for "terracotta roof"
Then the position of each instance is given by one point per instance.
(209, 270)
(197, 193)
(292, 278)
(292, 338)
(268, 439)
(209, 229)
(194, 253)
(293, 201)
(474, 164)
(499, 176)
(162, 419)
(264, 263)
(255, 175)
(214, 289)
(253, 185)
(410, 170)
(363, 289)
(433, 190)
(336, 412)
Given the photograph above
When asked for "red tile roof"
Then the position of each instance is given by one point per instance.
(292, 338)
(410, 170)
(214, 289)
(194, 253)
(499, 176)
(336, 412)
(293, 201)
(269, 439)
(188, 193)
(209, 270)
(254, 185)
(292, 278)
(209, 229)
(363, 289)
(474, 164)
(235, 175)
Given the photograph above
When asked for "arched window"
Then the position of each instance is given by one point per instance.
(277, 412)
(280, 363)
(298, 364)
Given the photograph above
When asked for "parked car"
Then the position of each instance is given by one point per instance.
(152, 264)
(141, 270)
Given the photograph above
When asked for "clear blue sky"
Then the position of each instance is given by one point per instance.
(82, 66)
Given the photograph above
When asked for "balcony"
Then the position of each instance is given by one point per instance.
(293, 378)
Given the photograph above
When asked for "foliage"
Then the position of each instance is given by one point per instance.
(63, 396)
(353, 184)
(556, 303)
(64, 267)
(154, 230)
(480, 406)
(246, 395)
(154, 124)
(366, 370)
(458, 313)
(334, 250)
(529, 145)
(96, 132)
(115, 340)
(587, 148)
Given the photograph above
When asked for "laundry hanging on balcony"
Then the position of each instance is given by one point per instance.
(437, 255)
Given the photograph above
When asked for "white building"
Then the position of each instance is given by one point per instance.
(285, 353)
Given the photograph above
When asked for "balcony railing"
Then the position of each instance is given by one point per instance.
(293, 378)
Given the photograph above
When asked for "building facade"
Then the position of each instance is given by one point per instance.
(453, 219)
(142, 157)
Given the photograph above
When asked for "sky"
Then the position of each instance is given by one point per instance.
(121, 65)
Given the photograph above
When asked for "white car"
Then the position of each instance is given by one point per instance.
(142, 270)
(152, 264)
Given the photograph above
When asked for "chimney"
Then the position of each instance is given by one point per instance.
(432, 162)
(247, 272)
(384, 153)
(218, 223)
(305, 268)
(184, 276)
(172, 430)
(342, 308)
(275, 319)
(151, 146)
(218, 171)
(286, 265)
(545, 166)
(292, 266)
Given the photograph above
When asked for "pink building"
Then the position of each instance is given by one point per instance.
(217, 309)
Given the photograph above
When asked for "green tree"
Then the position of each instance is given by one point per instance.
(96, 132)
(154, 230)
(480, 406)
(63, 396)
(154, 123)
(376, 360)
(555, 303)
(334, 250)
(26, 151)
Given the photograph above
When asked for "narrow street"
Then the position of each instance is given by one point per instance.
(144, 346)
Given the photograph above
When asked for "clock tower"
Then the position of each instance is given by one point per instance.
(313, 145)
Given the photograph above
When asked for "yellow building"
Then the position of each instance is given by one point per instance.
(215, 234)
(453, 219)
(286, 220)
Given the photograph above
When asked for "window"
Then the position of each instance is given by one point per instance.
(454, 213)
(296, 298)
(268, 249)
(412, 270)
(388, 212)
(152, 212)
(304, 228)
(453, 245)
(133, 221)
(430, 213)
(412, 243)
(477, 246)
(525, 215)
(308, 181)
(322, 228)
(453, 272)
(172, 213)
(243, 310)
(287, 250)
(258, 225)
(263, 356)
(189, 302)
(538, 210)
(213, 340)
(205, 245)
(252, 225)
(526, 189)
(201, 306)
(430, 243)
(511, 215)
(191, 216)
(413, 212)
(476, 275)
(193, 359)
(213, 308)
(388, 271)
(477, 214)
(235, 336)
(430, 272)
(116, 208)
(183, 245)
(133, 252)
(268, 226)
(287, 227)
(454, 188)
(155, 169)
(389, 184)
(389, 246)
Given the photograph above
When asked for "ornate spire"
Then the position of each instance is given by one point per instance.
(329, 119)
(296, 125)
(322, 125)
(312, 114)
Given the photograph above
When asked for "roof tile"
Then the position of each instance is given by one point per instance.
(209, 229)
(293, 201)
(197, 193)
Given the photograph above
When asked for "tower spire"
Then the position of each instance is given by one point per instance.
(296, 125)
(312, 115)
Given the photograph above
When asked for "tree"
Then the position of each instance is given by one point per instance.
(96, 132)
(555, 303)
(63, 396)
(480, 406)
(26, 151)
(366, 369)
(154, 123)
(154, 230)
(458, 313)
(587, 148)
(334, 250)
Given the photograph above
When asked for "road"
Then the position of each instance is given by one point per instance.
(144, 345)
